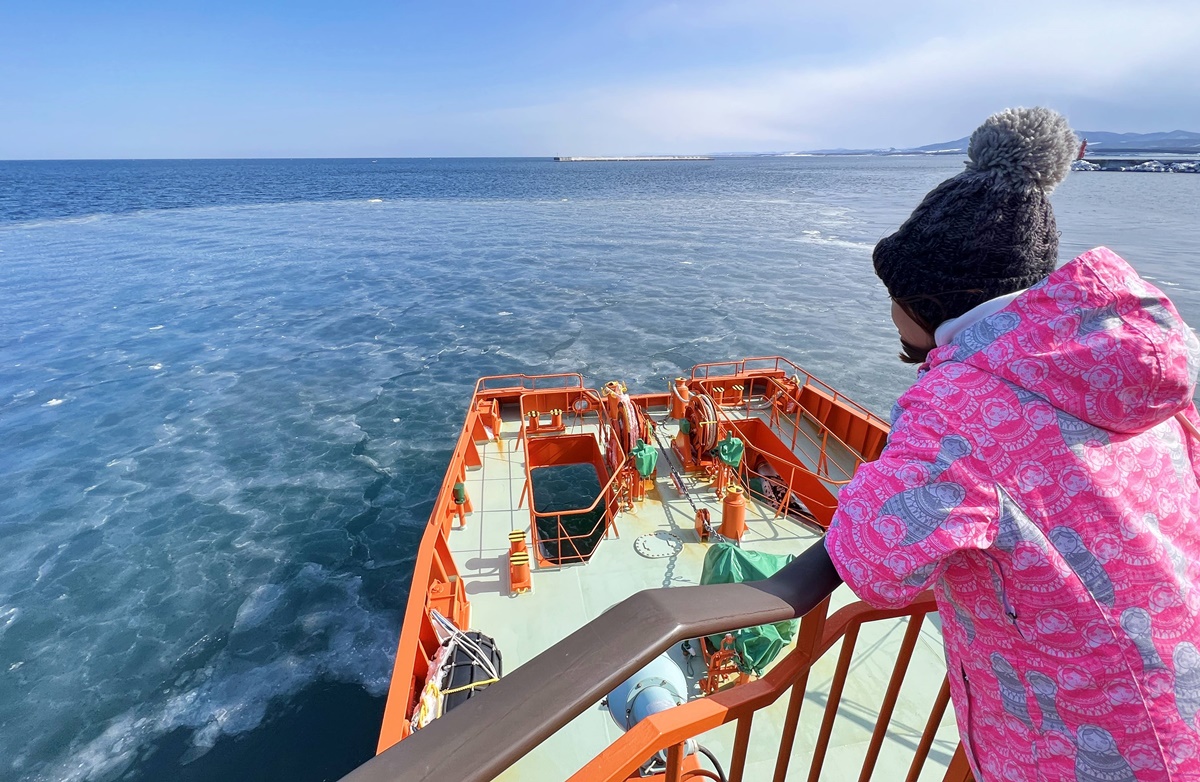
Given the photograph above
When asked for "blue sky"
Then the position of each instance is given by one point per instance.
(245, 79)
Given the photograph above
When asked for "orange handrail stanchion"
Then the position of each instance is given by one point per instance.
(679, 397)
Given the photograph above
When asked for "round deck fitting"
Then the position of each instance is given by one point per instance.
(658, 545)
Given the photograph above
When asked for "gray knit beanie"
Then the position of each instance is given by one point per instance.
(989, 230)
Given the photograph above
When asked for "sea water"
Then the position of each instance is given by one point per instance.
(228, 390)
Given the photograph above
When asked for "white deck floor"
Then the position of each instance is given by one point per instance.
(563, 599)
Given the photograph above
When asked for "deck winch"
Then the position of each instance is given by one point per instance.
(698, 430)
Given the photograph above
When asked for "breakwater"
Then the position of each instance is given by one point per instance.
(630, 159)
(1159, 165)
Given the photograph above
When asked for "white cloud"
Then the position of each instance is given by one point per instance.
(935, 88)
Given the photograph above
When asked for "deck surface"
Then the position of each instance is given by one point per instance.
(565, 598)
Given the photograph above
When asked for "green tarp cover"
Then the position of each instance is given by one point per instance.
(730, 450)
(645, 458)
(725, 563)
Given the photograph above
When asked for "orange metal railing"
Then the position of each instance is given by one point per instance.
(796, 419)
(669, 730)
(528, 382)
(778, 366)
(821, 505)
(836, 420)
(434, 566)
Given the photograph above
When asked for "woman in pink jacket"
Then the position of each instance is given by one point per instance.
(1040, 477)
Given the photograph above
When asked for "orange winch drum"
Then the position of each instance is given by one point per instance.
(702, 417)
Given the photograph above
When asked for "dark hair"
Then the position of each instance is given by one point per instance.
(910, 353)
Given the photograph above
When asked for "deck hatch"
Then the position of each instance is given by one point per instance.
(567, 474)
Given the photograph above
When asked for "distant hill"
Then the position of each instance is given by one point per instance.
(1099, 142)
(1177, 141)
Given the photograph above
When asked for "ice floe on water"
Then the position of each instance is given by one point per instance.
(284, 636)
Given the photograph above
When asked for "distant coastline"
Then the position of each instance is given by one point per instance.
(1161, 164)
(1099, 143)
(629, 158)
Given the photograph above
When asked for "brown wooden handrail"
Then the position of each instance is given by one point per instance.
(490, 732)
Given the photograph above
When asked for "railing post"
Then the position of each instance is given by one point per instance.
(812, 629)
(674, 762)
(959, 769)
(741, 745)
(788, 495)
(931, 726)
(823, 459)
(831, 705)
(911, 634)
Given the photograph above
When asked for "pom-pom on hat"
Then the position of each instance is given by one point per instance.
(989, 230)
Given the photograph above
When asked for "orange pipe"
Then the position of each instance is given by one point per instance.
(679, 398)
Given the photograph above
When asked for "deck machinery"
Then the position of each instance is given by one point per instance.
(561, 505)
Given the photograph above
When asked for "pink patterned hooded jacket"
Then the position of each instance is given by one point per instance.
(1039, 479)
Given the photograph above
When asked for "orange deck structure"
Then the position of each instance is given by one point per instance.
(577, 599)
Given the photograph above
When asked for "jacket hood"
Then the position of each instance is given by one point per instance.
(1095, 340)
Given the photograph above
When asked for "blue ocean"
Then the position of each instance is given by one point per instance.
(228, 390)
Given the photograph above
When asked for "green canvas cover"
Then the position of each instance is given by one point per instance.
(725, 563)
(730, 450)
(645, 458)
